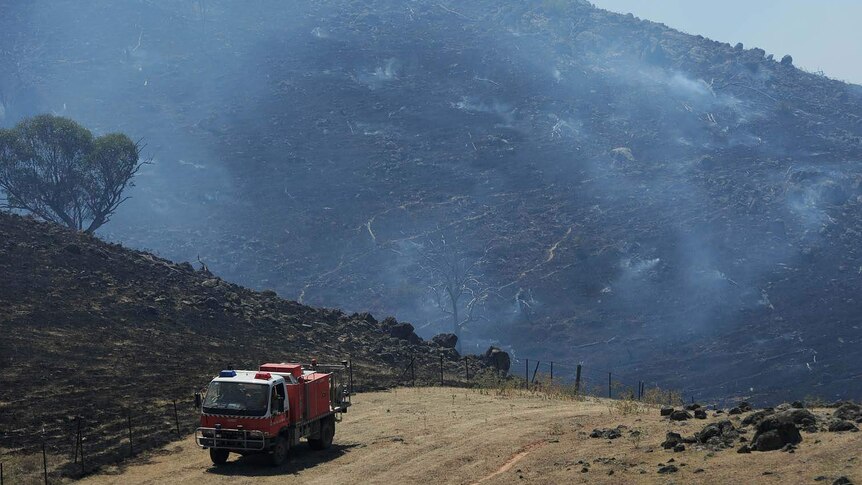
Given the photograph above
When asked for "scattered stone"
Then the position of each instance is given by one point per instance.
(699, 414)
(789, 448)
(744, 449)
(798, 404)
(445, 340)
(666, 410)
(735, 411)
(699, 470)
(718, 436)
(756, 417)
(744, 407)
(607, 433)
(404, 331)
(668, 469)
(498, 359)
(678, 448)
(841, 425)
(671, 440)
(842, 481)
(679, 415)
(692, 407)
(774, 432)
(848, 411)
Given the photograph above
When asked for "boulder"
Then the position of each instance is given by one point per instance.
(671, 440)
(404, 331)
(678, 448)
(498, 359)
(607, 433)
(744, 407)
(692, 407)
(848, 411)
(756, 417)
(445, 340)
(699, 414)
(787, 60)
(775, 432)
(744, 449)
(679, 415)
(720, 434)
(841, 425)
(666, 410)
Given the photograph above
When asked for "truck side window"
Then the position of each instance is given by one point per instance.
(282, 395)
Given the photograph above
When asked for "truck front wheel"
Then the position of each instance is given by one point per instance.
(327, 432)
(279, 452)
(219, 457)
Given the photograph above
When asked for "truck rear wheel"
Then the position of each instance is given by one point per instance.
(279, 452)
(219, 457)
(327, 432)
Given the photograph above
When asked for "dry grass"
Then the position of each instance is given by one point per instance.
(505, 434)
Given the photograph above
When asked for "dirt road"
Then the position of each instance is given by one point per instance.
(465, 436)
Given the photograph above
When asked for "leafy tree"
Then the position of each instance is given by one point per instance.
(55, 169)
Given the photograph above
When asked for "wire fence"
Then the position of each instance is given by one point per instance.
(84, 445)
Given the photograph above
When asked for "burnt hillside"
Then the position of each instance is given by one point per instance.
(91, 329)
(649, 202)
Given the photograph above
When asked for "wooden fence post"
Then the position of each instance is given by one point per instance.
(441, 370)
(578, 379)
(552, 371)
(536, 370)
(44, 463)
(129, 421)
(176, 417)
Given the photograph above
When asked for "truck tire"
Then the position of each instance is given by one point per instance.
(218, 456)
(327, 432)
(279, 452)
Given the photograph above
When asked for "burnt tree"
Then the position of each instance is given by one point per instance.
(457, 283)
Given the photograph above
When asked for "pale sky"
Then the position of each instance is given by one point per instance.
(820, 34)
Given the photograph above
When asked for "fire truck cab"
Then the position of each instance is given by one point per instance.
(270, 409)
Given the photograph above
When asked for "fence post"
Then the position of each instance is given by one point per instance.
(129, 421)
(535, 371)
(44, 463)
(176, 417)
(610, 396)
(527, 373)
(552, 371)
(578, 379)
(441, 370)
(413, 370)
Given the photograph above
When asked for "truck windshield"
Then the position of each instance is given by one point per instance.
(237, 398)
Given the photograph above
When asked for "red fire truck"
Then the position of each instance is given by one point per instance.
(268, 410)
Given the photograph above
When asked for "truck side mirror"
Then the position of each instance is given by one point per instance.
(197, 400)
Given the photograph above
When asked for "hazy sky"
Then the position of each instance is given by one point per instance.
(820, 34)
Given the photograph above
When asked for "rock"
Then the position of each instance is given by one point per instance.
(789, 448)
(838, 426)
(445, 340)
(671, 440)
(692, 407)
(498, 359)
(848, 411)
(774, 432)
(756, 417)
(679, 415)
(787, 60)
(666, 410)
(678, 448)
(744, 449)
(739, 46)
(186, 266)
(782, 407)
(744, 406)
(719, 435)
(699, 414)
(404, 331)
(668, 469)
(210, 283)
(842, 481)
(797, 404)
(607, 433)
(735, 411)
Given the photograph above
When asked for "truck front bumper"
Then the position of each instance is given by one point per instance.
(230, 439)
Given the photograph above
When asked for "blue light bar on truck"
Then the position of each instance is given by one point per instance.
(227, 373)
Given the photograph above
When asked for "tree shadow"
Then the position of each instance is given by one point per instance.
(301, 457)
